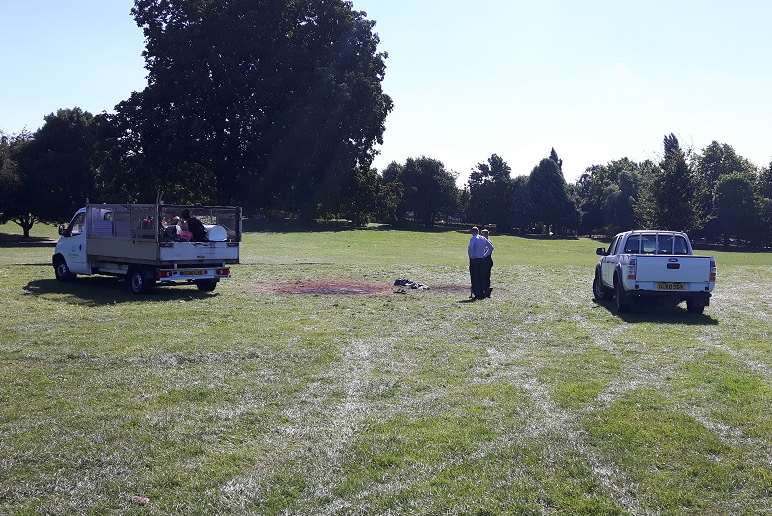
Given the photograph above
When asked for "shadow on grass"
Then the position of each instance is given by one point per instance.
(7, 241)
(339, 228)
(650, 311)
(99, 291)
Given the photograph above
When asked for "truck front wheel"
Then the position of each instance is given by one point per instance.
(599, 292)
(61, 270)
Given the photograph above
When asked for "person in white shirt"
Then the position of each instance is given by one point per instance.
(479, 250)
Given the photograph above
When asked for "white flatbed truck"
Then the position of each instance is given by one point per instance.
(659, 264)
(141, 243)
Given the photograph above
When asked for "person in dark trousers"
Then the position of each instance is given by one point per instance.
(195, 226)
(488, 265)
(479, 249)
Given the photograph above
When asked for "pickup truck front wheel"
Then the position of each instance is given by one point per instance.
(621, 301)
(61, 271)
(599, 292)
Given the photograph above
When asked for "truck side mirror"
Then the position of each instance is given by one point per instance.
(63, 231)
(601, 251)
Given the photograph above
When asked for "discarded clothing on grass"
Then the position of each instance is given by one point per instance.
(403, 282)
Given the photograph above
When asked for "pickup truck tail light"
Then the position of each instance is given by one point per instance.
(712, 277)
(632, 269)
(224, 272)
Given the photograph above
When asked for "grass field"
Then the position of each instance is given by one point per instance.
(251, 400)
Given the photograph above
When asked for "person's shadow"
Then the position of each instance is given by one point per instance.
(650, 310)
(98, 291)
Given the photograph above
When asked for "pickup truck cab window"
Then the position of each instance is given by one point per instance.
(76, 226)
(665, 244)
(612, 246)
(633, 244)
(679, 246)
(648, 244)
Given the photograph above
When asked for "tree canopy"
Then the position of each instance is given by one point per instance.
(264, 104)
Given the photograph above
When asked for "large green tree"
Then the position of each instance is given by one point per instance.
(49, 175)
(735, 206)
(764, 182)
(429, 189)
(520, 205)
(268, 104)
(13, 185)
(715, 161)
(549, 196)
(490, 188)
(606, 195)
(673, 189)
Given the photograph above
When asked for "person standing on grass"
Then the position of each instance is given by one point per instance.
(488, 264)
(479, 249)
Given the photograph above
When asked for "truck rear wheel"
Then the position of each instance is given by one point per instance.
(61, 270)
(695, 306)
(620, 297)
(206, 285)
(138, 281)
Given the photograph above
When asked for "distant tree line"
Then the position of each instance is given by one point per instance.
(277, 107)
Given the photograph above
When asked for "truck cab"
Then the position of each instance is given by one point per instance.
(149, 245)
(72, 247)
(649, 263)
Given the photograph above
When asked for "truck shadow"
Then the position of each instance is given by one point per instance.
(651, 311)
(100, 291)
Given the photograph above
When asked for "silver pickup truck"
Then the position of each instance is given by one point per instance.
(654, 264)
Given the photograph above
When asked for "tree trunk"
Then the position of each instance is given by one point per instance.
(26, 222)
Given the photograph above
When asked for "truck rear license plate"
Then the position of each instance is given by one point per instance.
(670, 286)
(193, 273)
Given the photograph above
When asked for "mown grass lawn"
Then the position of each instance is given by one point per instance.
(249, 400)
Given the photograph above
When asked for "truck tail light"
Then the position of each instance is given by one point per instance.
(712, 277)
(632, 269)
(225, 272)
(164, 274)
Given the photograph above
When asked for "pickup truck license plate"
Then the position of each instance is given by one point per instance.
(193, 273)
(670, 286)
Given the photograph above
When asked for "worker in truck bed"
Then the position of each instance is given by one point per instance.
(195, 226)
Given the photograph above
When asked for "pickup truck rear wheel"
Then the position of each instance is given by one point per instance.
(206, 285)
(695, 306)
(620, 297)
(138, 282)
(61, 270)
(599, 292)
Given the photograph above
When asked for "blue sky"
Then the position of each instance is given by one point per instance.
(597, 80)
